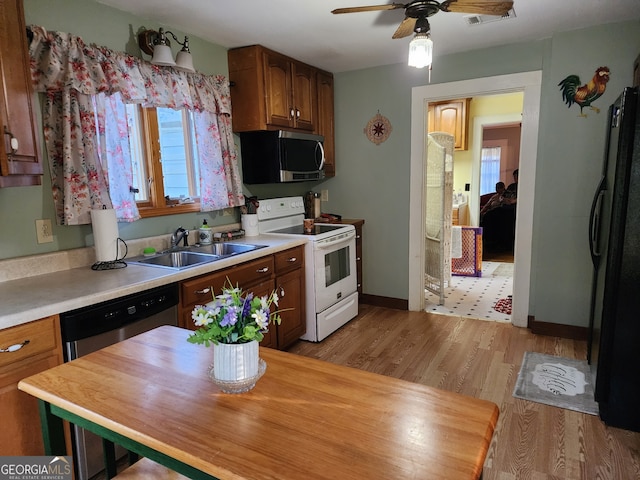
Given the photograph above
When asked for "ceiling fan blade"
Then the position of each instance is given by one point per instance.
(371, 8)
(405, 28)
(482, 7)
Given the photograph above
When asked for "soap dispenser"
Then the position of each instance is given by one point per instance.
(205, 234)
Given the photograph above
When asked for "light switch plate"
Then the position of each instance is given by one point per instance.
(44, 231)
(324, 195)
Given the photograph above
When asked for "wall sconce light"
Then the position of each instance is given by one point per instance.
(157, 44)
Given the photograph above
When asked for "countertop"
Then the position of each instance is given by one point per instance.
(26, 299)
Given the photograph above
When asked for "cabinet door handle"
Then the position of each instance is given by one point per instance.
(292, 259)
(203, 291)
(262, 270)
(281, 291)
(291, 113)
(14, 348)
(297, 113)
(13, 141)
(358, 259)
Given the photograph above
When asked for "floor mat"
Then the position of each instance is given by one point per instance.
(556, 381)
(503, 305)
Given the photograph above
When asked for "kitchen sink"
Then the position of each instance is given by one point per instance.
(178, 260)
(225, 249)
(195, 255)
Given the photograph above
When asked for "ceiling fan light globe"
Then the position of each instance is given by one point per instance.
(421, 51)
(162, 56)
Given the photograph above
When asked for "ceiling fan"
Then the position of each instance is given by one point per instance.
(416, 20)
(422, 9)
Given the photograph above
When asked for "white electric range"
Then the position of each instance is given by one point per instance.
(330, 264)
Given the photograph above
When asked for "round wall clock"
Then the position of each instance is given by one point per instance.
(378, 129)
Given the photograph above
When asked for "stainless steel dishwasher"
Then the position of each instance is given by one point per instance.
(88, 329)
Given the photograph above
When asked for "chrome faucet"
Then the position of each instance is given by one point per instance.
(180, 234)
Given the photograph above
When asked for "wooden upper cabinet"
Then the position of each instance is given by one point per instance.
(451, 116)
(304, 96)
(270, 90)
(325, 125)
(19, 157)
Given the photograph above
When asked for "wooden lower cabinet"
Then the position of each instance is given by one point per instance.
(41, 349)
(290, 287)
(201, 290)
(270, 339)
(283, 272)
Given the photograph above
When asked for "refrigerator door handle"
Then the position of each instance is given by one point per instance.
(594, 223)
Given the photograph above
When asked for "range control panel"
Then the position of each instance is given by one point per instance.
(271, 208)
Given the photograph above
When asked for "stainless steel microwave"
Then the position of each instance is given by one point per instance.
(279, 156)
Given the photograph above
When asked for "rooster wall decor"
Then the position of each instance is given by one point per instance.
(584, 95)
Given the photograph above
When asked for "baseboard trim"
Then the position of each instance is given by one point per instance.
(387, 302)
(557, 330)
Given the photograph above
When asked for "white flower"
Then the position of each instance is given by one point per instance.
(261, 318)
(264, 302)
(201, 317)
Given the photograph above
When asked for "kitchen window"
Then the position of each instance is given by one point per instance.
(165, 179)
(87, 133)
(489, 169)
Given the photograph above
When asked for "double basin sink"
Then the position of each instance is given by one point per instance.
(186, 257)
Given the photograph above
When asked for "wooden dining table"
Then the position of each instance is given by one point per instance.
(305, 418)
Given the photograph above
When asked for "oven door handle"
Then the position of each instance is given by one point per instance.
(332, 245)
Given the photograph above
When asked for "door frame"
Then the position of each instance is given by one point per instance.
(530, 84)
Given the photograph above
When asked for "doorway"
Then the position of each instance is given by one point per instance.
(530, 84)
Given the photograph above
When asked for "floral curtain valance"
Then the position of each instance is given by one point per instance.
(86, 135)
(61, 61)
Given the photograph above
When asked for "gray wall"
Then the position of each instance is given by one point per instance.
(372, 182)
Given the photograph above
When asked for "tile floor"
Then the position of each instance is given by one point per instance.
(475, 297)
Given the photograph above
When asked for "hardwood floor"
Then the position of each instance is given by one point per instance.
(482, 359)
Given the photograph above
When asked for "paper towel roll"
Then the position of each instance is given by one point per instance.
(105, 234)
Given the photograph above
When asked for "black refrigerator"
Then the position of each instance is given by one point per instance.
(614, 240)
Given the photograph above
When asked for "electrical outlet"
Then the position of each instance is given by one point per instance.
(44, 231)
(324, 195)
(227, 212)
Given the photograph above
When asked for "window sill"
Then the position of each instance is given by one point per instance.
(146, 212)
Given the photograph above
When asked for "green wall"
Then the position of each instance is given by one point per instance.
(570, 154)
(117, 30)
(372, 182)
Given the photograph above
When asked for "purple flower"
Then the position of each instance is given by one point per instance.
(230, 316)
(246, 307)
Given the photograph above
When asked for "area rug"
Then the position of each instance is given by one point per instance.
(503, 305)
(556, 381)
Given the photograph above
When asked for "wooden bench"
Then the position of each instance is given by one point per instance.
(145, 469)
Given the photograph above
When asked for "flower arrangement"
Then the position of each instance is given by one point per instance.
(234, 317)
